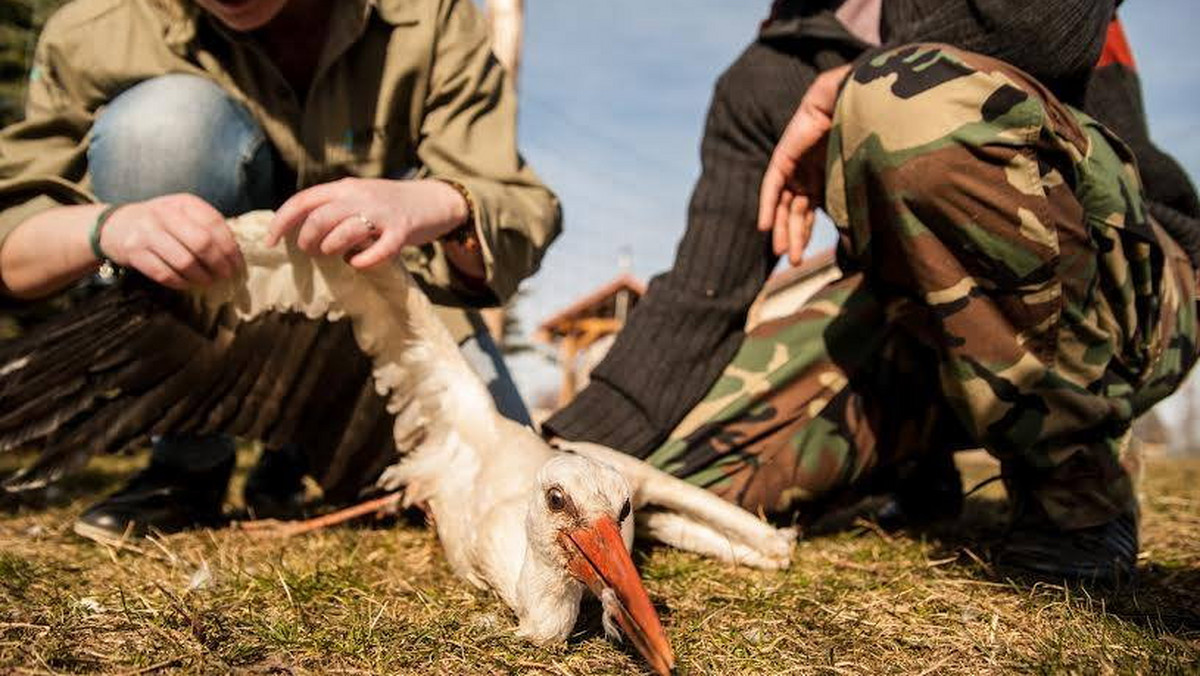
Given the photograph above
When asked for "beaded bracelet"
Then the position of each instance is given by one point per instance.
(465, 233)
(108, 269)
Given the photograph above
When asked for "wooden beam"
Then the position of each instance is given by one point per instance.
(568, 350)
(600, 325)
(505, 21)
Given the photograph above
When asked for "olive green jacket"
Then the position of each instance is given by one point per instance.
(403, 88)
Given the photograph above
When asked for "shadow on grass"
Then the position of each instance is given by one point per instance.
(1163, 599)
(590, 624)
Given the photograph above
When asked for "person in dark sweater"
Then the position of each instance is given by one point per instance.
(863, 386)
(690, 322)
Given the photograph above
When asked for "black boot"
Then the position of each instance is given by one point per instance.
(924, 492)
(275, 487)
(1105, 554)
(163, 498)
(915, 495)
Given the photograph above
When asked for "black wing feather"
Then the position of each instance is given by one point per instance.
(138, 360)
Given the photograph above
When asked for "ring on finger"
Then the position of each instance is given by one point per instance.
(372, 228)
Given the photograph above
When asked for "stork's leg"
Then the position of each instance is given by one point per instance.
(284, 529)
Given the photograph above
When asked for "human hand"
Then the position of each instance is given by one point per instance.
(175, 240)
(794, 183)
(370, 219)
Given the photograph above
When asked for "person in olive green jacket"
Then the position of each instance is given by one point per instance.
(381, 130)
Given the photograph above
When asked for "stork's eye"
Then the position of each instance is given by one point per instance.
(625, 509)
(555, 499)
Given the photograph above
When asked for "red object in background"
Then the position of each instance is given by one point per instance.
(774, 13)
(1116, 48)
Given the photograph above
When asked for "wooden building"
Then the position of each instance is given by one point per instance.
(584, 330)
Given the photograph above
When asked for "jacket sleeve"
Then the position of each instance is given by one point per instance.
(468, 135)
(43, 159)
(1053, 40)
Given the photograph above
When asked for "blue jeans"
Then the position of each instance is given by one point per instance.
(183, 133)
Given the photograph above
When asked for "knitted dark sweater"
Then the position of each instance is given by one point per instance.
(690, 323)
(1056, 41)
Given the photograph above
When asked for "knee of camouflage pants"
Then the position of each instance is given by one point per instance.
(1010, 229)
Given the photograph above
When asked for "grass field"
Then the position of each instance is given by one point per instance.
(380, 599)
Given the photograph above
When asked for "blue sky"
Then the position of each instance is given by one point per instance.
(613, 98)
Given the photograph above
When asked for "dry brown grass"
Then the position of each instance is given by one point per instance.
(381, 600)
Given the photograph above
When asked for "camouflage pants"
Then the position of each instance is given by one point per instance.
(1004, 288)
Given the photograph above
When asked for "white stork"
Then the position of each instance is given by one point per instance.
(348, 363)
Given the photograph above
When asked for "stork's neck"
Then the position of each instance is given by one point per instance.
(547, 598)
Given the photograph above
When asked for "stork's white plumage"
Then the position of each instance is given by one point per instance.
(536, 524)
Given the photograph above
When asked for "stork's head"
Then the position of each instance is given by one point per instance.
(580, 527)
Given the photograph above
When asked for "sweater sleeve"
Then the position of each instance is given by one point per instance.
(690, 323)
(1114, 97)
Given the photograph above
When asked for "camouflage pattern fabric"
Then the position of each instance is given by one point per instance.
(1005, 288)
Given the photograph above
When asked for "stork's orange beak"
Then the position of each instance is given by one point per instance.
(598, 558)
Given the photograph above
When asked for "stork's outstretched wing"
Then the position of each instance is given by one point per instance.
(139, 360)
(687, 517)
(272, 355)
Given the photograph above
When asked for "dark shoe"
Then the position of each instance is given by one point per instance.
(929, 491)
(275, 487)
(162, 499)
(1104, 554)
(914, 496)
